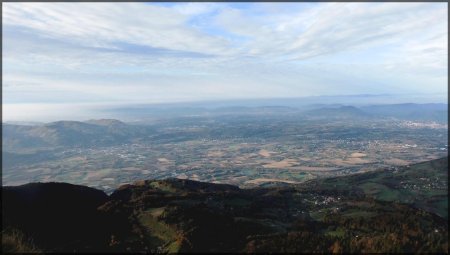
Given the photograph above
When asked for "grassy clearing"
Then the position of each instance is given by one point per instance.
(159, 234)
(163, 186)
(372, 188)
(14, 241)
(389, 195)
(339, 232)
(156, 212)
(317, 215)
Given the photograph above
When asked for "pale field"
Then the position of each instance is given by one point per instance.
(264, 153)
(224, 164)
(215, 154)
(339, 162)
(285, 163)
(396, 161)
(313, 168)
(164, 160)
(35, 170)
(240, 159)
(238, 179)
(350, 161)
(431, 157)
(97, 175)
(357, 161)
(131, 168)
(357, 155)
(262, 180)
(183, 167)
(182, 176)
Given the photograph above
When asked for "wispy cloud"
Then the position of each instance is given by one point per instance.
(158, 52)
(103, 25)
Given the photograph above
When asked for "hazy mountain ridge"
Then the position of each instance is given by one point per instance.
(70, 133)
(295, 107)
(338, 112)
(106, 132)
(429, 112)
(107, 122)
(176, 215)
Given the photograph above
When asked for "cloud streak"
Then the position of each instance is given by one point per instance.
(111, 52)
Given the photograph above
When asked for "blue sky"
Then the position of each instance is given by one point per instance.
(120, 53)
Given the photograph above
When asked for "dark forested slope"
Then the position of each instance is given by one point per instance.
(345, 214)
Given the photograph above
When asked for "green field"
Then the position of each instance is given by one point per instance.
(159, 234)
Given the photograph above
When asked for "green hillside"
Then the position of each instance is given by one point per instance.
(423, 185)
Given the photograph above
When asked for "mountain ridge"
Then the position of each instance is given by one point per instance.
(107, 132)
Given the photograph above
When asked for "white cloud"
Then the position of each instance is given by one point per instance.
(104, 24)
(322, 29)
(127, 52)
(331, 27)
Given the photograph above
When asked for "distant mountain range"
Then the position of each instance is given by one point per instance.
(425, 112)
(106, 132)
(414, 112)
(390, 210)
(337, 112)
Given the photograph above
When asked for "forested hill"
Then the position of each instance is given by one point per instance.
(391, 210)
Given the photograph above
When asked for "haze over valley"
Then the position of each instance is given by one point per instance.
(244, 146)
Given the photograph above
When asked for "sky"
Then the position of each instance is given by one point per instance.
(60, 57)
